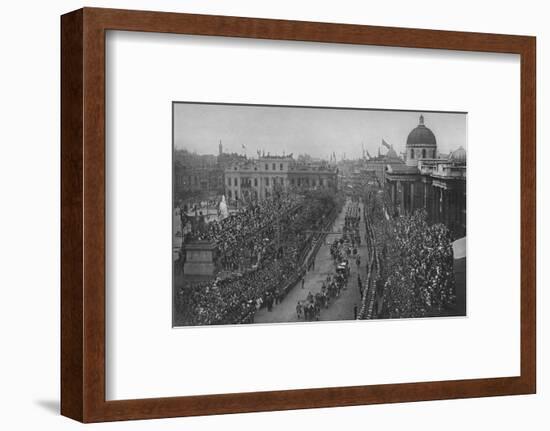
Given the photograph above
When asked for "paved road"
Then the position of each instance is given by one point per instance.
(340, 308)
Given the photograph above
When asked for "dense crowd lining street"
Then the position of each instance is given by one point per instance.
(341, 307)
(264, 250)
(317, 258)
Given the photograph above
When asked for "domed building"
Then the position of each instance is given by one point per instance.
(421, 144)
(428, 181)
(458, 156)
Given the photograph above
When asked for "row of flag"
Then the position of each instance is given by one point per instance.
(366, 153)
(332, 157)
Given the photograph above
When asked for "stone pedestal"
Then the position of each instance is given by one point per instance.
(200, 257)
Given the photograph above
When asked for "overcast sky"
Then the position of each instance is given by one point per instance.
(318, 132)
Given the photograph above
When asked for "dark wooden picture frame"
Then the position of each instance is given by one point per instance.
(83, 214)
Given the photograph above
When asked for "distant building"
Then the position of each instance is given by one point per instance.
(226, 160)
(196, 175)
(201, 176)
(377, 165)
(257, 179)
(429, 181)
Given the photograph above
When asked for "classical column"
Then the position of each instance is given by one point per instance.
(451, 208)
(434, 204)
(440, 215)
(455, 211)
(426, 199)
(412, 198)
(443, 206)
(397, 195)
(446, 207)
(403, 201)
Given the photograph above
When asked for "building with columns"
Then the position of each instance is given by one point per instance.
(429, 181)
(259, 178)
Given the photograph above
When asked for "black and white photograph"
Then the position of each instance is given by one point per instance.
(305, 214)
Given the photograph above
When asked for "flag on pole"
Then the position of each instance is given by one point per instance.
(385, 144)
(368, 154)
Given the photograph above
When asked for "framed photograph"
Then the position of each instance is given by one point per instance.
(268, 215)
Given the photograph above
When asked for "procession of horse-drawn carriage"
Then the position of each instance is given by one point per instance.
(343, 250)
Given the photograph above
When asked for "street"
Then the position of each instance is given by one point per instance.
(340, 308)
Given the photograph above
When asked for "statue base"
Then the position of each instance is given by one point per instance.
(200, 258)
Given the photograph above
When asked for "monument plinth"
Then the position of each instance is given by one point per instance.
(200, 258)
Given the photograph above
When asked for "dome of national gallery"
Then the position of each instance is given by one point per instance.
(458, 156)
(421, 136)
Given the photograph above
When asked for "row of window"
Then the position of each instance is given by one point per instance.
(235, 195)
(425, 153)
(182, 180)
(273, 167)
(245, 180)
(293, 182)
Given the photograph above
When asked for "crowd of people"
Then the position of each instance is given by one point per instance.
(347, 246)
(242, 238)
(264, 249)
(421, 282)
(265, 246)
(416, 277)
(235, 299)
(342, 250)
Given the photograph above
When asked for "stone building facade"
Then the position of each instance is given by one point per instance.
(201, 176)
(257, 179)
(197, 180)
(427, 181)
